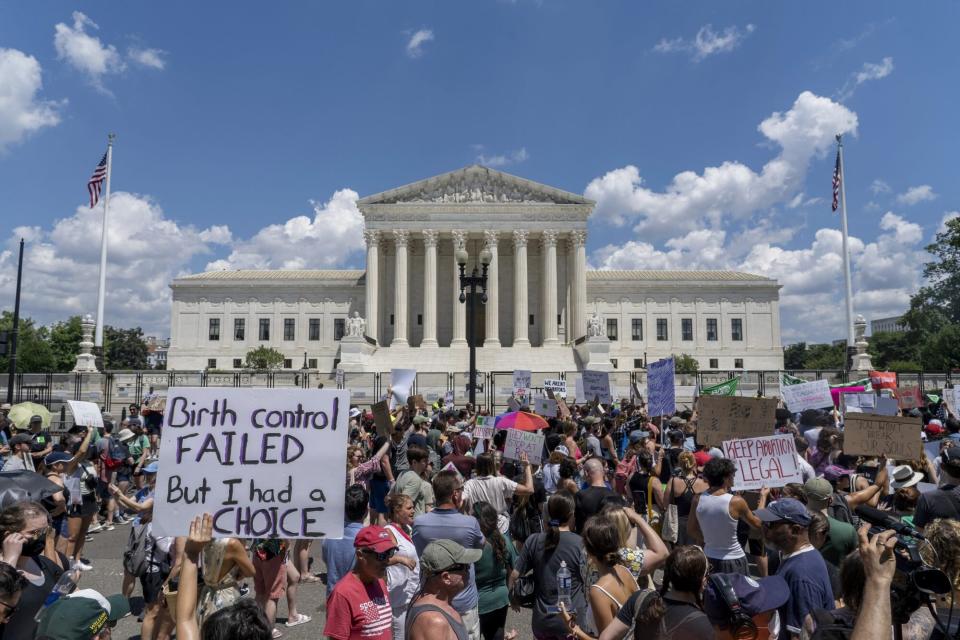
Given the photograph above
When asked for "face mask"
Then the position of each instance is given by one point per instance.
(34, 547)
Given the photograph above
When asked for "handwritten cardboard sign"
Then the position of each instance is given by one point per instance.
(484, 428)
(729, 417)
(558, 387)
(596, 384)
(770, 461)
(381, 418)
(86, 414)
(895, 436)
(523, 442)
(250, 457)
(807, 395)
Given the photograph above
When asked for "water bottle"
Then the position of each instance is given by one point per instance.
(66, 585)
(564, 587)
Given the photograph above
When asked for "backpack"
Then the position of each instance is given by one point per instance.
(840, 510)
(139, 554)
(115, 455)
(831, 626)
(625, 469)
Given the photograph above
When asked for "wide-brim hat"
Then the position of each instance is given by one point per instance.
(904, 476)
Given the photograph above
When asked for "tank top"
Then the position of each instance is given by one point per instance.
(458, 627)
(685, 500)
(719, 529)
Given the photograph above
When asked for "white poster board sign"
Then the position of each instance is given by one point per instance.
(807, 395)
(483, 430)
(522, 380)
(546, 407)
(250, 457)
(86, 414)
(770, 461)
(559, 387)
(528, 442)
(578, 391)
(401, 381)
(596, 384)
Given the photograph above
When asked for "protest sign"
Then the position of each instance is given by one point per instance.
(859, 402)
(484, 428)
(883, 379)
(910, 397)
(415, 402)
(381, 418)
(546, 407)
(562, 410)
(770, 461)
(660, 387)
(251, 458)
(729, 417)
(521, 381)
(513, 404)
(401, 381)
(807, 395)
(896, 437)
(558, 387)
(452, 467)
(86, 413)
(578, 390)
(448, 399)
(527, 442)
(884, 407)
(596, 384)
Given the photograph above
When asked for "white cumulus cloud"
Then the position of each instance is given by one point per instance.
(329, 239)
(86, 52)
(869, 71)
(878, 186)
(21, 111)
(731, 190)
(916, 195)
(707, 42)
(152, 58)
(416, 42)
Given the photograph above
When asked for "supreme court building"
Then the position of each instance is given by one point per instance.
(541, 296)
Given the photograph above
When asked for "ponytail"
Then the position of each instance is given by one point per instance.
(560, 508)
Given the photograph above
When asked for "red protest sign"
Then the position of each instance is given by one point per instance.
(909, 397)
(883, 379)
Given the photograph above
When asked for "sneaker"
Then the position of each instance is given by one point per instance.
(109, 527)
(84, 566)
(89, 538)
(95, 528)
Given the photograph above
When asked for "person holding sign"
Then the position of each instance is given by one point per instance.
(494, 489)
(714, 515)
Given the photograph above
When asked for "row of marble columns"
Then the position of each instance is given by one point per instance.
(548, 239)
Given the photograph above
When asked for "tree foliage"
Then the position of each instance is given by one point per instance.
(124, 348)
(264, 358)
(33, 349)
(684, 363)
(65, 340)
(814, 356)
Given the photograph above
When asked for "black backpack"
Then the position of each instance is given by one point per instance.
(831, 625)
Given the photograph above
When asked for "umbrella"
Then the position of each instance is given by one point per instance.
(522, 421)
(21, 413)
(22, 485)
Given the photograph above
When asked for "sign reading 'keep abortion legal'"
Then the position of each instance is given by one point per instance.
(252, 458)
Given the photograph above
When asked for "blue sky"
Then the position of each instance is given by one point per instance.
(247, 130)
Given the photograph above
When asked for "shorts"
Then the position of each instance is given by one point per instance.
(152, 585)
(153, 431)
(103, 490)
(270, 577)
(124, 474)
(85, 509)
(378, 495)
(733, 565)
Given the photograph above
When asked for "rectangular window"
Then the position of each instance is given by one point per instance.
(738, 363)
(419, 319)
(662, 329)
(312, 363)
(289, 328)
(287, 363)
(237, 363)
(212, 363)
(239, 329)
(531, 320)
(736, 329)
(339, 328)
(714, 363)
(712, 329)
(638, 363)
(686, 329)
(636, 329)
(264, 329)
(214, 329)
(558, 319)
(391, 319)
(613, 361)
(314, 329)
(612, 329)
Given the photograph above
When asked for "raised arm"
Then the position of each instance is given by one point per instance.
(201, 533)
(75, 461)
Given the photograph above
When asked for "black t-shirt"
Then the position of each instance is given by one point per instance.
(21, 623)
(588, 503)
(670, 462)
(682, 621)
(391, 455)
(939, 503)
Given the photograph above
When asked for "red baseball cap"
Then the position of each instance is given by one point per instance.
(702, 458)
(934, 428)
(374, 537)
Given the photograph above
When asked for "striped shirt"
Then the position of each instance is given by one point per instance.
(358, 611)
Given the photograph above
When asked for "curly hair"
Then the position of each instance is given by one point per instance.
(944, 535)
(687, 462)
(243, 620)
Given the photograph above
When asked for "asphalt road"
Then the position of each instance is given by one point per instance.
(107, 547)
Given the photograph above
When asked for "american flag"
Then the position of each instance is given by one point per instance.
(836, 183)
(95, 183)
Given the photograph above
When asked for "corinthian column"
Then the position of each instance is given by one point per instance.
(578, 249)
(459, 308)
(549, 241)
(520, 307)
(372, 297)
(400, 239)
(493, 292)
(429, 288)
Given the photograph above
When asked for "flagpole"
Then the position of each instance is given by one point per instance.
(846, 251)
(101, 291)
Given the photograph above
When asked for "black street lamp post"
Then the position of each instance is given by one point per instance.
(473, 281)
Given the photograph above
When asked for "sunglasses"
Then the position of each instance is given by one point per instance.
(457, 568)
(382, 556)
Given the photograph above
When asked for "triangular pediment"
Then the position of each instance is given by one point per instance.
(475, 184)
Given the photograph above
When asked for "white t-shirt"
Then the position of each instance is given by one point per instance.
(493, 489)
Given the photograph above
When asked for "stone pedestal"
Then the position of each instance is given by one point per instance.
(86, 361)
(355, 354)
(594, 354)
(861, 359)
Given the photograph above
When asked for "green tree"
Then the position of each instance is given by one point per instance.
(264, 358)
(65, 340)
(901, 366)
(124, 348)
(943, 274)
(793, 356)
(892, 346)
(825, 356)
(684, 363)
(33, 348)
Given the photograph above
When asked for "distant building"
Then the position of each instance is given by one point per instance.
(890, 325)
(157, 349)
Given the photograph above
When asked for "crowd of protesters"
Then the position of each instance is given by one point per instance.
(630, 528)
